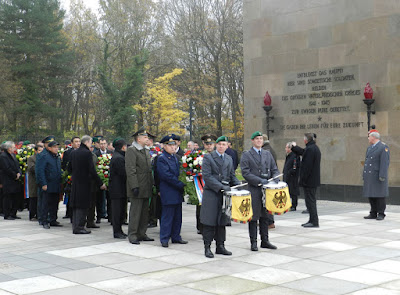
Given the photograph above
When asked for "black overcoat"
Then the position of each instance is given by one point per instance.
(214, 172)
(82, 170)
(310, 174)
(117, 182)
(252, 166)
(291, 171)
(10, 169)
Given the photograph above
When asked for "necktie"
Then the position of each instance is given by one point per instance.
(222, 157)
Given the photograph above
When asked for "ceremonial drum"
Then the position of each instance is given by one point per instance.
(237, 205)
(276, 198)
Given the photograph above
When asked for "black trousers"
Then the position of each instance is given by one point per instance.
(217, 233)
(1, 201)
(91, 211)
(33, 208)
(78, 219)
(311, 203)
(49, 207)
(118, 214)
(263, 229)
(10, 205)
(199, 226)
(378, 206)
(153, 209)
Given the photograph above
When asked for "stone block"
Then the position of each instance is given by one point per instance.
(332, 56)
(306, 59)
(344, 33)
(252, 49)
(320, 37)
(272, 83)
(251, 10)
(261, 65)
(252, 87)
(283, 24)
(375, 73)
(281, 63)
(274, 45)
(386, 7)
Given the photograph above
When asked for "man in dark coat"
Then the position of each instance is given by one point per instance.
(139, 182)
(33, 187)
(171, 190)
(1, 183)
(48, 177)
(234, 155)
(179, 151)
(117, 187)
(219, 176)
(310, 178)
(75, 144)
(291, 174)
(375, 175)
(82, 171)
(257, 167)
(10, 180)
(103, 202)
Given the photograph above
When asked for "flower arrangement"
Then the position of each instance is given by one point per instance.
(22, 155)
(154, 152)
(103, 167)
(191, 164)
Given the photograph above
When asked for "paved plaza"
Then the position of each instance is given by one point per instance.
(346, 255)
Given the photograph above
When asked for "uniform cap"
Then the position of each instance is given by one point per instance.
(222, 138)
(255, 134)
(211, 138)
(141, 132)
(53, 143)
(168, 139)
(48, 139)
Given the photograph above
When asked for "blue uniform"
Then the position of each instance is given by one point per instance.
(171, 189)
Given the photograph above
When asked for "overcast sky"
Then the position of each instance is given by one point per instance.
(93, 4)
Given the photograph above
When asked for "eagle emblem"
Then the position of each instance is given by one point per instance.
(280, 199)
(245, 207)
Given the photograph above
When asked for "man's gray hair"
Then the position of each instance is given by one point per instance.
(375, 134)
(7, 145)
(85, 139)
(290, 144)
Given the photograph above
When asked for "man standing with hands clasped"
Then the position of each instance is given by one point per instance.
(139, 184)
(375, 175)
(219, 176)
(258, 166)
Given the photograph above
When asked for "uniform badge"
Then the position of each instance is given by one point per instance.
(386, 149)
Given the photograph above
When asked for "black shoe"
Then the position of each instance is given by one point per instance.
(33, 219)
(221, 250)
(268, 245)
(124, 234)
(16, 217)
(199, 232)
(380, 217)
(165, 245)
(98, 220)
(92, 225)
(125, 223)
(46, 226)
(105, 217)
(81, 232)
(66, 217)
(146, 239)
(305, 223)
(151, 225)
(310, 225)
(179, 242)
(207, 252)
(304, 212)
(293, 209)
(119, 236)
(135, 242)
(254, 246)
(9, 218)
(56, 223)
(370, 217)
(2, 214)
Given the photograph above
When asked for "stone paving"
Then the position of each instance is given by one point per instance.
(346, 255)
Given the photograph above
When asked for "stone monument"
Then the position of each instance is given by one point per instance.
(315, 57)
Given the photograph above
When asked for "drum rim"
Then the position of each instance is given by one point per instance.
(241, 193)
(279, 185)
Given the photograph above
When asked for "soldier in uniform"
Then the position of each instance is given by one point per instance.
(375, 175)
(257, 167)
(209, 147)
(139, 182)
(171, 190)
(291, 174)
(219, 176)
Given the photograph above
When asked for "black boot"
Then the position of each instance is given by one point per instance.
(207, 250)
(253, 235)
(268, 245)
(221, 250)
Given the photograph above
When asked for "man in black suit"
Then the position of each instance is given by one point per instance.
(103, 202)
(179, 151)
(82, 170)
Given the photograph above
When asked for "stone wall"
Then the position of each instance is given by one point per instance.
(315, 58)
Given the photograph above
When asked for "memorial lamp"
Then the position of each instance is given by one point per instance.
(267, 108)
(368, 100)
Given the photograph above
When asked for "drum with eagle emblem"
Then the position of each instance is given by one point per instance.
(237, 205)
(276, 198)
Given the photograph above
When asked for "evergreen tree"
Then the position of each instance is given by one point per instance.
(34, 43)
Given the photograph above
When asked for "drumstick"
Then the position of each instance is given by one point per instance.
(260, 184)
(239, 185)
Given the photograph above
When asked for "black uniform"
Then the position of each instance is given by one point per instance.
(11, 187)
(291, 176)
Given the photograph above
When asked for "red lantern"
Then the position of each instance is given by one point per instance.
(267, 99)
(368, 92)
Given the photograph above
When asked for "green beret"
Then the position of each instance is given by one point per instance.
(222, 138)
(255, 134)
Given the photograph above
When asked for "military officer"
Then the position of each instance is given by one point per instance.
(257, 167)
(171, 190)
(219, 176)
(375, 175)
(139, 182)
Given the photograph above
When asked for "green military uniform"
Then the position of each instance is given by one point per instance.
(139, 184)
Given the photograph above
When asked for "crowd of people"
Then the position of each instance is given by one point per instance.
(147, 174)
